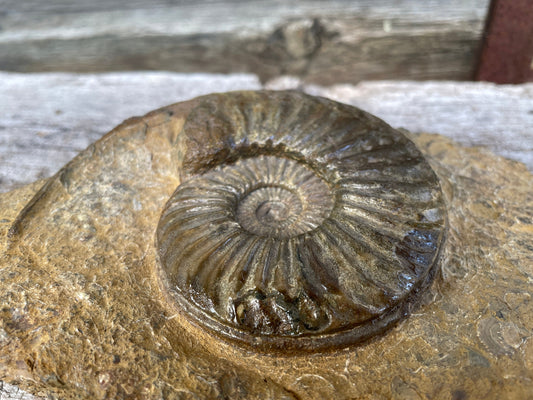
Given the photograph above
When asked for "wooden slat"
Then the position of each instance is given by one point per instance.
(47, 118)
(322, 42)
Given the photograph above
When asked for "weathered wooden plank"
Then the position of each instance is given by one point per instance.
(47, 118)
(323, 42)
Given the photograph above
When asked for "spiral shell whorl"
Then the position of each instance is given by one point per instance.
(301, 223)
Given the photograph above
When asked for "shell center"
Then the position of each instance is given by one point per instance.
(269, 210)
(284, 198)
(272, 212)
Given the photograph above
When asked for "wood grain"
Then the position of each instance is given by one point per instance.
(322, 42)
(48, 118)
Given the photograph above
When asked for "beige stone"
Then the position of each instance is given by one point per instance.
(84, 315)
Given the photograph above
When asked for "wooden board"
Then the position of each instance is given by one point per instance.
(47, 118)
(324, 42)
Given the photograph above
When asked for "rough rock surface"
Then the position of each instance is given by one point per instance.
(83, 315)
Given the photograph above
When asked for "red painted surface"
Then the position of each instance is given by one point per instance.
(507, 55)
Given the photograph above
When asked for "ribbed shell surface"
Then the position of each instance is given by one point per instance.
(300, 223)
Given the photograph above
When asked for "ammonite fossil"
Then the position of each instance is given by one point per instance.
(299, 223)
(244, 245)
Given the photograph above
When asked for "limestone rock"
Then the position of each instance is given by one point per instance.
(84, 314)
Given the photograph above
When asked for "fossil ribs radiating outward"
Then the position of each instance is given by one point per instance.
(300, 223)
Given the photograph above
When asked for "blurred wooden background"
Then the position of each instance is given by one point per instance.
(321, 42)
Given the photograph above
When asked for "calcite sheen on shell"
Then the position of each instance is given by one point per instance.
(88, 311)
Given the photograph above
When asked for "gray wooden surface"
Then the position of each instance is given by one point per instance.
(47, 118)
(324, 42)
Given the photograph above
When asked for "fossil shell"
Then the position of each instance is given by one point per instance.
(300, 223)
(500, 338)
